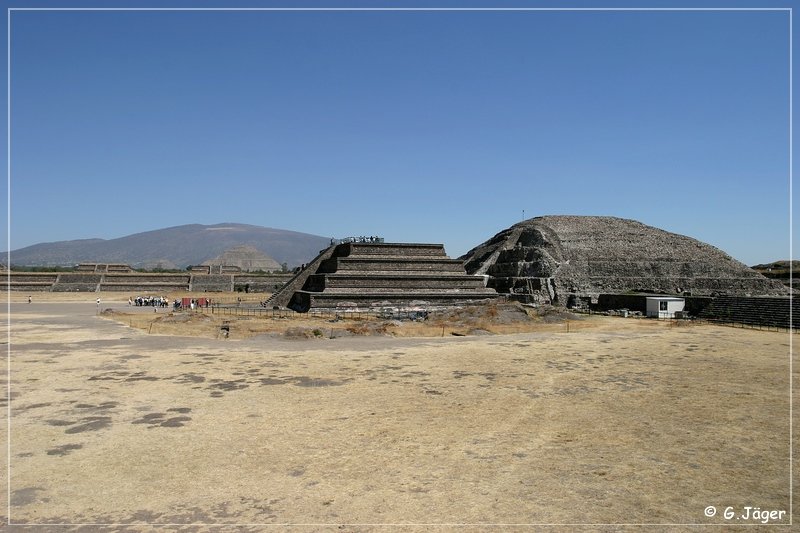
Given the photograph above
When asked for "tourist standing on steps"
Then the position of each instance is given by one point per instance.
(29, 299)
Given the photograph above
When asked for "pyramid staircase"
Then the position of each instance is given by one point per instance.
(382, 275)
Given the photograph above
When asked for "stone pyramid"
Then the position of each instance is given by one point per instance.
(552, 259)
(246, 258)
(374, 275)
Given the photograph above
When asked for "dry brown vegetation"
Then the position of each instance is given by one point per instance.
(495, 318)
(616, 421)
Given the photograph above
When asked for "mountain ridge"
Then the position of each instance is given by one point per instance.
(184, 245)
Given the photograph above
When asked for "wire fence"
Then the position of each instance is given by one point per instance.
(750, 324)
(759, 323)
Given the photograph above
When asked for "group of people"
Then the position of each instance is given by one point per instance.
(149, 301)
(162, 301)
(356, 239)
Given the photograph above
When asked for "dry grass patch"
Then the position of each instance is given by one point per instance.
(494, 318)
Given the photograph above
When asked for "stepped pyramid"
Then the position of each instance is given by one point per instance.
(247, 258)
(382, 275)
(558, 258)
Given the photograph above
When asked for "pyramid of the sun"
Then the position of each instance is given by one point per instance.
(247, 258)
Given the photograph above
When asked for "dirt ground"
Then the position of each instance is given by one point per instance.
(606, 424)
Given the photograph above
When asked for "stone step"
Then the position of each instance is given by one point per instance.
(400, 273)
(66, 281)
(319, 282)
(368, 273)
(144, 287)
(340, 264)
(74, 287)
(30, 287)
(145, 283)
(401, 290)
(79, 278)
(391, 250)
(154, 278)
(44, 278)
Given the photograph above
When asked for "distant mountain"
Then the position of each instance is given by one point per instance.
(181, 245)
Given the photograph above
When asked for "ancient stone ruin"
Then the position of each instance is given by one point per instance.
(376, 274)
(246, 258)
(148, 283)
(103, 267)
(566, 259)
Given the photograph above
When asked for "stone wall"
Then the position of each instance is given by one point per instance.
(143, 289)
(397, 250)
(305, 300)
(176, 279)
(757, 312)
(260, 283)
(350, 282)
(142, 282)
(31, 281)
(103, 267)
(77, 282)
(212, 283)
(392, 265)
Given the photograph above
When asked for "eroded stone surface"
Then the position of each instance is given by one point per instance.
(552, 258)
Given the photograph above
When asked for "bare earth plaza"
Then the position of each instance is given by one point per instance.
(602, 421)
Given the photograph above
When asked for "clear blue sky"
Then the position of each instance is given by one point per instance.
(416, 126)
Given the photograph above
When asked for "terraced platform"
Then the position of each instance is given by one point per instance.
(552, 259)
(382, 275)
(148, 283)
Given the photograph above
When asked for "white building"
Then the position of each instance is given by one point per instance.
(664, 306)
